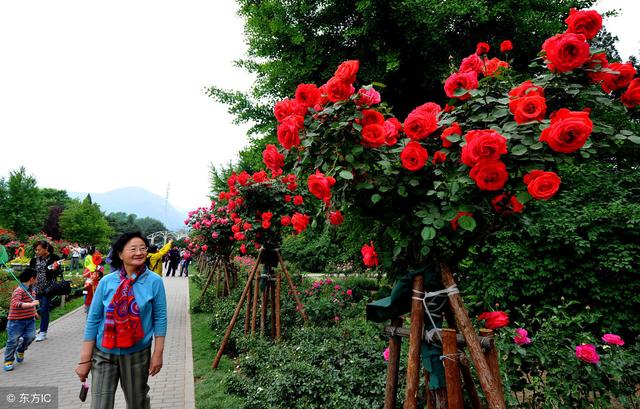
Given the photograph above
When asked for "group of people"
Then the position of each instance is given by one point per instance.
(126, 311)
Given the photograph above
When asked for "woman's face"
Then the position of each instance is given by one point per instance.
(41, 251)
(134, 253)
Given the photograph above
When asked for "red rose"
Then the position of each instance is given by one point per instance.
(299, 222)
(307, 95)
(347, 71)
(527, 89)
(585, 22)
(288, 107)
(374, 135)
(482, 48)
(324, 95)
(454, 222)
(414, 156)
(298, 200)
(595, 65)
(369, 255)
(587, 353)
(568, 131)
(338, 90)
(613, 82)
(246, 226)
(243, 248)
(285, 220)
(631, 97)
(471, 63)
(368, 96)
(491, 66)
(266, 219)
(320, 185)
(461, 80)
(565, 52)
(393, 127)
(483, 144)
(371, 116)
(287, 198)
(454, 129)
(439, 157)
(501, 205)
(494, 319)
(489, 174)
(422, 121)
(505, 46)
(542, 185)
(336, 218)
(243, 178)
(239, 236)
(259, 177)
(528, 108)
(272, 159)
(289, 131)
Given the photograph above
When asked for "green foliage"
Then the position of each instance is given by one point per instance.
(84, 222)
(121, 223)
(21, 204)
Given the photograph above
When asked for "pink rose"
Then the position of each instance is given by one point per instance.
(521, 337)
(349, 292)
(613, 339)
(385, 354)
(587, 353)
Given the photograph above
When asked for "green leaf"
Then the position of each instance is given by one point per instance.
(428, 233)
(519, 150)
(453, 138)
(425, 250)
(357, 127)
(467, 223)
(523, 197)
(345, 174)
(423, 213)
(358, 149)
(634, 139)
(375, 198)
(396, 251)
(536, 146)
(450, 215)
(414, 182)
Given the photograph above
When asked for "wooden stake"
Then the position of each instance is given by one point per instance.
(254, 311)
(272, 297)
(209, 277)
(436, 399)
(263, 305)
(469, 385)
(489, 385)
(415, 342)
(492, 359)
(227, 333)
(391, 388)
(227, 284)
(294, 290)
(452, 369)
(247, 313)
(277, 311)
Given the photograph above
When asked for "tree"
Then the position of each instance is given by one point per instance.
(84, 222)
(121, 223)
(21, 204)
(54, 201)
(148, 225)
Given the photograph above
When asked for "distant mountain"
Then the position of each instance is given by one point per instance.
(138, 201)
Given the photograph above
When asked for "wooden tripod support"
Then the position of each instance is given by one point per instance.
(271, 292)
(224, 274)
(481, 348)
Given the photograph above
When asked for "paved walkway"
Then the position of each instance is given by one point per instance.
(52, 362)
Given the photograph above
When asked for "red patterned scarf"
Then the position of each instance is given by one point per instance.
(122, 325)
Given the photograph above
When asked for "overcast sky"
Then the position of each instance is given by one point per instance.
(100, 95)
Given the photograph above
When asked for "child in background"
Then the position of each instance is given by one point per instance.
(93, 272)
(21, 319)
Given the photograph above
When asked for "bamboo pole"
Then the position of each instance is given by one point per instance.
(227, 333)
(415, 342)
(391, 388)
(489, 385)
(452, 369)
(294, 290)
(277, 310)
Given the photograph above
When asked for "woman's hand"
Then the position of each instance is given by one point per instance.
(82, 370)
(155, 364)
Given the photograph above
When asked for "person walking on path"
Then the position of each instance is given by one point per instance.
(154, 257)
(186, 259)
(129, 309)
(75, 257)
(174, 260)
(21, 319)
(48, 268)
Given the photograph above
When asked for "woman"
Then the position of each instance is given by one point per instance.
(155, 257)
(46, 265)
(129, 308)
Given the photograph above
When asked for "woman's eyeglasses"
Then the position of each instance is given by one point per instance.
(134, 250)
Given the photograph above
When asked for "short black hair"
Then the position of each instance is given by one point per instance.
(118, 246)
(27, 274)
(42, 243)
(153, 248)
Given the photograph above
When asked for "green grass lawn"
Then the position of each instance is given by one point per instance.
(209, 387)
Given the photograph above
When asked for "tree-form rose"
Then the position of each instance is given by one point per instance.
(521, 337)
(336, 218)
(542, 185)
(414, 156)
(439, 157)
(566, 52)
(502, 205)
(489, 174)
(272, 159)
(585, 22)
(454, 129)
(299, 222)
(307, 95)
(483, 144)
(613, 82)
(454, 221)
(393, 128)
(528, 108)
(374, 135)
(288, 107)
(568, 130)
(613, 339)
(320, 186)
(506, 46)
(338, 90)
(289, 131)
(346, 72)
(369, 255)
(587, 353)
(494, 319)
(471, 63)
(527, 88)
(461, 80)
(422, 121)
(631, 97)
(371, 116)
(482, 48)
(368, 96)
(491, 66)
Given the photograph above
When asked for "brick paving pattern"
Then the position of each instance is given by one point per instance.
(52, 362)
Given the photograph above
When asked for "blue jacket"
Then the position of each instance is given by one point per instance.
(152, 301)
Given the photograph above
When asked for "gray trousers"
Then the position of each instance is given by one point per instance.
(131, 370)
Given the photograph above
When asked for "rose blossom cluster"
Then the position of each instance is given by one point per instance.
(588, 353)
(210, 230)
